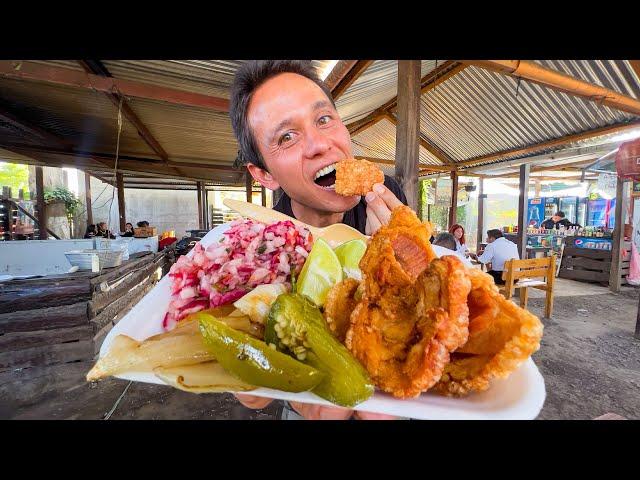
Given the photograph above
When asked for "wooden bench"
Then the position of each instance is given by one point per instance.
(520, 274)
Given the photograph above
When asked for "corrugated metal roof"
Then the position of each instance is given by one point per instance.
(188, 132)
(377, 85)
(379, 141)
(85, 117)
(209, 77)
(477, 113)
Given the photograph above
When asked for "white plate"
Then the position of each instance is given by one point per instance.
(521, 396)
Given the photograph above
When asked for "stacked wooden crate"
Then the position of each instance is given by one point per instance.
(591, 265)
(64, 318)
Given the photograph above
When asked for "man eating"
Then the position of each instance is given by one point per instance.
(291, 136)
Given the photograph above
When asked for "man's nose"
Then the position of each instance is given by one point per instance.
(317, 143)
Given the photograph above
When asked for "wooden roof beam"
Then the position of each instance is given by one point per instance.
(556, 142)
(561, 82)
(431, 148)
(348, 78)
(20, 70)
(338, 72)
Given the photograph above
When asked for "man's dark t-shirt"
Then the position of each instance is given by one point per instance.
(357, 216)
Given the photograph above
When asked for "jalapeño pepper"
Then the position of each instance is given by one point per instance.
(252, 361)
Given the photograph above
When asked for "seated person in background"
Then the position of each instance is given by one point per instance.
(128, 230)
(103, 231)
(458, 235)
(91, 231)
(557, 221)
(444, 242)
(498, 251)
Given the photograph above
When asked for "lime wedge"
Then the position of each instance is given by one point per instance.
(321, 271)
(349, 253)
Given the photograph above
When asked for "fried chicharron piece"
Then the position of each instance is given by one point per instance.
(340, 303)
(413, 312)
(501, 337)
(356, 177)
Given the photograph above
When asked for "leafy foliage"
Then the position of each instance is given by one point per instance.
(62, 194)
(15, 176)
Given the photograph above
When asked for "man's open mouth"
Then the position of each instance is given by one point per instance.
(326, 177)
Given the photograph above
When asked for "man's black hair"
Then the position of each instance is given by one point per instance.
(248, 78)
(446, 240)
(494, 233)
(560, 214)
(142, 223)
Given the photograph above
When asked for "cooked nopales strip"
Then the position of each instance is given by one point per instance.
(178, 347)
(501, 337)
(208, 377)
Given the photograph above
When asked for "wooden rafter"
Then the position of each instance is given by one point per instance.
(338, 72)
(351, 76)
(71, 78)
(96, 67)
(536, 73)
(556, 142)
(430, 147)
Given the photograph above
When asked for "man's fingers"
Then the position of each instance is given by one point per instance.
(374, 416)
(387, 196)
(374, 221)
(319, 412)
(379, 207)
(251, 401)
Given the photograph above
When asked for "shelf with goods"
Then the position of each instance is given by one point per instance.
(14, 224)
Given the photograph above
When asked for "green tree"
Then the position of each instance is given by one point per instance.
(15, 176)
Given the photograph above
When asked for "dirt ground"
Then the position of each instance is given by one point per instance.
(589, 359)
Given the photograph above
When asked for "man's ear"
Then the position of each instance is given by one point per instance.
(263, 177)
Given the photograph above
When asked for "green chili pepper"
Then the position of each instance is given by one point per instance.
(295, 325)
(252, 361)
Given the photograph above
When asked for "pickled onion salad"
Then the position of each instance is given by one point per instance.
(249, 254)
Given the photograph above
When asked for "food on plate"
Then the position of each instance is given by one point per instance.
(207, 377)
(356, 177)
(181, 346)
(257, 303)
(406, 346)
(341, 301)
(321, 271)
(350, 253)
(295, 325)
(249, 254)
(253, 361)
(501, 337)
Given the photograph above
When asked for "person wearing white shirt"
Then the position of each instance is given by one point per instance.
(444, 244)
(498, 251)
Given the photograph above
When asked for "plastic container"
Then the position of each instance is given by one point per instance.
(83, 258)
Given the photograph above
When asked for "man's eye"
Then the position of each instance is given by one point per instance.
(324, 119)
(287, 137)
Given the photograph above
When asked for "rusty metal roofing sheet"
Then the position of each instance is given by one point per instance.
(477, 112)
(379, 141)
(377, 85)
(85, 117)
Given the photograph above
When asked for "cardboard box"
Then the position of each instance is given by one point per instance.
(143, 232)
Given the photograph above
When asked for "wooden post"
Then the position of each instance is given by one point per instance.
(42, 214)
(199, 194)
(523, 204)
(481, 196)
(615, 279)
(263, 191)
(637, 334)
(408, 129)
(121, 209)
(453, 209)
(248, 186)
(87, 198)
(205, 210)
